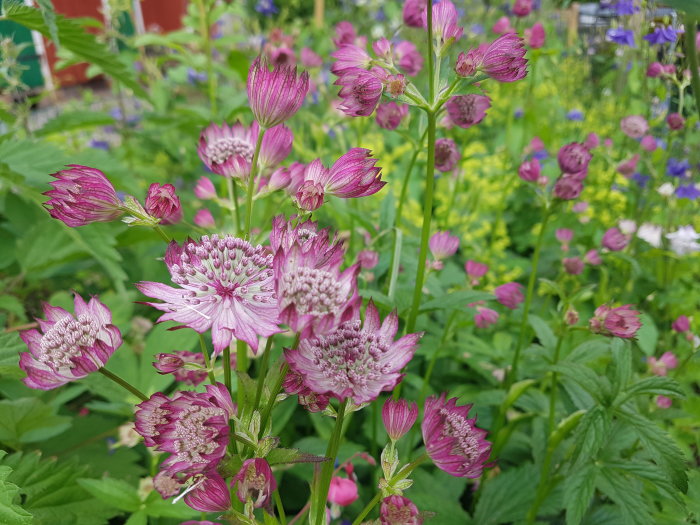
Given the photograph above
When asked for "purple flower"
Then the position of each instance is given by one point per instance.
(575, 115)
(681, 324)
(349, 56)
(82, 195)
(675, 121)
(367, 259)
(225, 284)
(467, 110)
(468, 63)
(445, 23)
(446, 155)
(409, 58)
(485, 317)
(504, 60)
(530, 170)
(452, 440)
(266, 7)
(342, 491)
(475, 270)
(211, 494)
(175, 364)
(615, 322)
(398, 417)
(623, 37)
(163, 203)
(567, 187)
(614, 240)
(573, 158)
(360, 91)
(413, 12)
(204, 219)
(662, 35)
(677, 168)
(572, 265)
(309, 58)
(390, 115)
(634, 126)
(509, 295)
(256, 483)
(641, 179)
(688, 191)
(69, 346)
(625, 7)
(522, 8)
(194, 77)
(205, 189)
(274, 96)
(443, 245)
(399, 510)
(357, 361)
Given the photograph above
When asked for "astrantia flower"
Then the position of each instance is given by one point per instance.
(614, 240)
(468, 63)
(274, 96)
(504, 60)
(509, 295)
(567, 187)
(684, 240)
(228, 150)
(408, 58)
(485, 317)
(390, 115)
(163, 203)
(342, 491)
(211, 494)
(502, 26)
(572, 265)
(310, 58)
(467, 110)
(618, 35)
(573, 158)
(443, 245)
(255, 482)
(648, 143)
(204, 219)
(225, 284)
(175, 364)
(681, 324)
(357, 361)
(675, 121)
(629, 166)
(413, 12)
(535, 36)
(452, 440)
(522, 8)
(655, 69)
(360, 91)
(82, 195)
(446, 155)
(661, 366)
(634, 126)
(445, 24)
(619, 322)
(205, 189)
(69, 346)
(349, 56)
(475, 270)
(399, 510)
(662, 35)
(530, 170)
(398, 417)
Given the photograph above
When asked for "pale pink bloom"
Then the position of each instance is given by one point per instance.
(504, 60)
(535, 145)
(349, 56)
(580, 207)
(356, 361)
(205, 189)
(408, 57)
(567, 187)
(360, 91)
(530, 170)
(255, 483)
(661, 366)
(648, 143)
(681, 324)
(468, 63)
(368, 259)
(592, 141)
(452, 440)
(342, 491)
(398, 417)
(564, 235)
(485, 317)
(614, 240)
(467, 110)
(675, 121)
(399, 510)
(395, 85)
(445, 23)
(573, 265)
(310, 59)
(522, 8)
(664, 402)
(446, 155)
(619, 322)
(82, 195)
(535, 36)
(162, 203)
(592, 257)
(510, 295)
(69, 346)
(443, 245)
(210, 495)
(413, 11)
(573, 158)
(204, 219)
(475, 270)
(382, 48)
(502, 26)
(634, 126)
(390, 115)
(225, 284)
(275, 96)
(628, 167)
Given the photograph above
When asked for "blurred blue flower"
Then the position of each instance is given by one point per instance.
(625, 7)
(477, 29)
(623, 37)
(194, 77)
(641, 179)
(540, 155)
(677, 168)
(662, 35)
(687, 191)
(266, 7)
(575, 115)
(518, 113)
(99, 144)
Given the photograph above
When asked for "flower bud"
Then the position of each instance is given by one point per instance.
(399, 510)
(210, 495)
(368, 259)
(573, 265)
(255, 482)
(675, 121)
(398, 417)
(619, 322)
(342, 491)
(204, 219)
(681, 325)
(509, 295)
(530, 170)
(205, 189)
(469, 62)
(567, 188)
(168, 363)
(162, 203)
(310, 196)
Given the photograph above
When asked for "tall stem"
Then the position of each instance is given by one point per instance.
(368, 508)
(513, 374)
(690, 22)
(264, 364)
(242, 367)
(404, 185)
(555, 379)
(124, 384)
(227, 367)
(207, 361)
(233, 198)
(206, 36)
(318, 508)
(251, 182)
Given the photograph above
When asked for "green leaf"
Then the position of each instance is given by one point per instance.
(10, 512)
(543, 331)
(692, 7)
(648, 472)
(635, 510)
(10, 347)
(29, 420)
(654, 386)
(49, 16)
(516, 391)
(113, 492)
(590, 434)
(578, 492)
(78, 41)
(647, 335)
(507, 497)
(11, 304)
(622, 365)
(444, 503)
(280, 456)
(74, 120)
(455, 300)
(585, 377)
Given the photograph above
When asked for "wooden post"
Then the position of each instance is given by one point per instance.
(319, 8)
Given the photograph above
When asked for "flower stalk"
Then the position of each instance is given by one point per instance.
(123, 383)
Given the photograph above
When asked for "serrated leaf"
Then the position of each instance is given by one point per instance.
(455, 300)
(647, 335)
(113, 492)
(10, 512)
(29, 420)
(621, 365)
(543, 331)
(10, 347)
(578, 492)
(648, 472)
(585, 377)
(280, 456)
(507, 497)
(655, 386)
(635, 510)
(590, 434)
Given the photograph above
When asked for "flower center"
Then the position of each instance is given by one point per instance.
(227, 147)
(314, 292)
(65, 339)
(194, 437)
(466, 443)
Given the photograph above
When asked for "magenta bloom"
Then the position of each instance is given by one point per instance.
(619, 322)
(681, 325)
(256, 483)
(468, 63)
(592, 141)
(205, 189)
(675, 121)
(390, 115)
(522, 8)
(82, 195)
(648, 143)
(413, 12)
(443, 245)
(355, 361)
(274, 96)
(567, 187)
(445, 23)
(660, 367)
(309, 58)
(530, 170)
(163, 203)
(367, 259)
(342, 491)
(399, 510)
(175, 364)
(502, 26)
(398, 417)
(204, 219)
(564, 235)
(628, 167)
(467, 110)
(360, 91)
(535, 36)
(344, 33)
(475, 270)
(485, 317)
(614, 240)
(573, 265)
(593, 258)
(634, 126)
(408, 58)
(655, 69)
(228, 150)
(574, 158)
(210, 495)
(509, 295)
(504, 60)
(225, 284)
(71, 345)
(349, 56)
(664, 402)
(452, 440)
(446, 155)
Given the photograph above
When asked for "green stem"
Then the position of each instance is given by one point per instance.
(207, 361)
(690, 22)
(368, 508)
(276, 389)
(233, 198)
(242, 367)
(162, 234)
(406, 179)
(206, 36)
(318, 510)
(513, 374)
(251, 182)
(264, 364)
(434, 357)
(125, 384)
(280, 507)
(555, 378)
(227, 367)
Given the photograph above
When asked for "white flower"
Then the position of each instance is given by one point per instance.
(684, 241)
(666, 189)
(650, 233)
(628, 226)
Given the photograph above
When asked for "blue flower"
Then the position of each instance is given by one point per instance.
(518, 113)
(477, 29)
(99, 144)
(540, 155)
(641, 179)
(194, 77)
(575, 115)
(662, 35)
(624, 37)
(266, 7)
(625, 7)
(677, 168)
(687, 191)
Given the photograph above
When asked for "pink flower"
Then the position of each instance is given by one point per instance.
(628, 167)
(344, 34)
(592, 141)
(225, 284)
(564, 235)
(580, 207)
(593, 258)
(175, 364)
(573, 158)
(204, 219)
(399, 510)
(210, 495)
(655, 69)
(162, 203)
(82, 195)
(535, 36)
(504, 59)
(355, 361)
(475, 270)
(567, 187)
(398, 417)
(274, 96)
(382, 48)
(634, 126)
(535, 145)
(409, 58)
(367, 259)
(205, 189)
(446, 155)
(349, 56)
(661, 366)
(530, 170)
(445, 23)
(522, 8)
(467, 110)
(573, 265)
(452, 440)
(485, 317)
(390, 115)
(360, 91)
(468, 63)
(619, 322)
(675, 121)
(648, 143)
(664, 402)
(443, 245)
(413, 12)
(310, 59)
(614, 240)
(509, 295)
(681, 325)
(71, 345)
(342, 491)
(256, 483)
(282, 56)
(395, 85)
(168, 363)
(502, 26)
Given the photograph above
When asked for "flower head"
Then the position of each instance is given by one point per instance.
(342, 491)
(274, 96)
(204, 219)
(618, 322)
(445, 24)
(225, 284)
(677, 167)
(399, 510)
(502, 26)
(574, 158)
(684, 240)
(413, 12)
(446, 155)
(175, 364)
(468, 63)
(82, 195)
(522, 8)
(69, 346)
(205, 189)
(390, 115)
(530, 170)
(485, 317)
(443, 245)
(398, 417)
(614, 240)
(452, 440)
(681, 324)
(367, 259)
(504, 60)
(467, 110)
(360, 91)
(634, 126)
(475, 270)
(567, 187)
(573, 265)
(675, 121)
(163, 203)
(211, 494)
(510, 295)
(655, 69)
(648, 143)
(618, 35)
(661, 366)
(350, 56)
(535, 36)
(662, 35)
(357, 361)
(256, 483)
(409, 58)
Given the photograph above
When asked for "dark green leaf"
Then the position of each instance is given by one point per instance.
(692, 7)
(655, 386)
(621, 490)
(455, 300)
(647, 335)
(544, 332)
(113, 492)
(507, 497)
(29, 420)
(578, 491)
(10, 347)
(585, 377)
